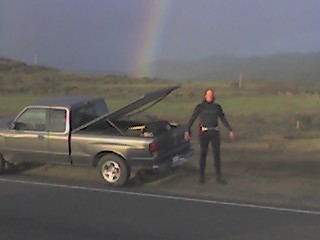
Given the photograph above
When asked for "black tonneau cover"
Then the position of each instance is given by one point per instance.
(150, 98)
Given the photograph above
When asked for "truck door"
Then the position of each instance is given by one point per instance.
(27, 139)
(58, 136)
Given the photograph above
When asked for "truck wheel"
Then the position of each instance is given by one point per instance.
(2, 164)
(114, 170)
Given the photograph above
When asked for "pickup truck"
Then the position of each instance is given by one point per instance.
(79, 131)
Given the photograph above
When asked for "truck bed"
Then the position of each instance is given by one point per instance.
(165, 140)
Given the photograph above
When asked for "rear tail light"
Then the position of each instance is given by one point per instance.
(154, 149)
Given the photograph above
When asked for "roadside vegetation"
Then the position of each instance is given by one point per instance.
(258, 111)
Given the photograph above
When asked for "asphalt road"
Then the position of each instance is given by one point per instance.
(33, 209)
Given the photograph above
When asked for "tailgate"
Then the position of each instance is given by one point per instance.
(172, 143)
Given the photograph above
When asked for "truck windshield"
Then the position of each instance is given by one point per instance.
(32, 119)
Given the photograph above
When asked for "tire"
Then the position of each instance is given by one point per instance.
(113, 170)
(2, 164)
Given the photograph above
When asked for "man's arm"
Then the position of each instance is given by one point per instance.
(224, 119)
(226, 123)
(194, 116)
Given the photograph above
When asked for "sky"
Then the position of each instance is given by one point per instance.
(125, 37)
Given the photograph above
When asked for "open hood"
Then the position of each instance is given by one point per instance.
(147, 100)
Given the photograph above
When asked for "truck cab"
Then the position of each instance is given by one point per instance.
(41, 131)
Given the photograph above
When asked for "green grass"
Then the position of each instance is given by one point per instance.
(257, 111)
(269, 104)
(265, 105)
(14, 103)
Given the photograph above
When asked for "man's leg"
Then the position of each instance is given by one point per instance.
(204, 142)
(215, 144)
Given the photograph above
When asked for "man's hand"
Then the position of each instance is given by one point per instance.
(187, 136)
(232, 136)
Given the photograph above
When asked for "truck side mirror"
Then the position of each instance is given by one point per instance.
(17, 126)
(12, 125)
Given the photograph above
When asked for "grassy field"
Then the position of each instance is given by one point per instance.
(239, 103)
(268, 112)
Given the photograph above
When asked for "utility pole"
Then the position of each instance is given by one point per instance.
(240, 81)
(35, 59)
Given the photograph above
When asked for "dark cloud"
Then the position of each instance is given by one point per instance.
(102, 36)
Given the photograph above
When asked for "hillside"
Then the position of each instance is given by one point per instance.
(279, 67)
(18, 77)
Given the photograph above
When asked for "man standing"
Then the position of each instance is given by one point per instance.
(209, 112)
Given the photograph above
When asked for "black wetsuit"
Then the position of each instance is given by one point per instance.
(209, 113)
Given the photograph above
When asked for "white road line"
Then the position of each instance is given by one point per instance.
(187, 199)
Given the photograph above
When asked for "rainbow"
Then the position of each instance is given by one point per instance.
(150, 41)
